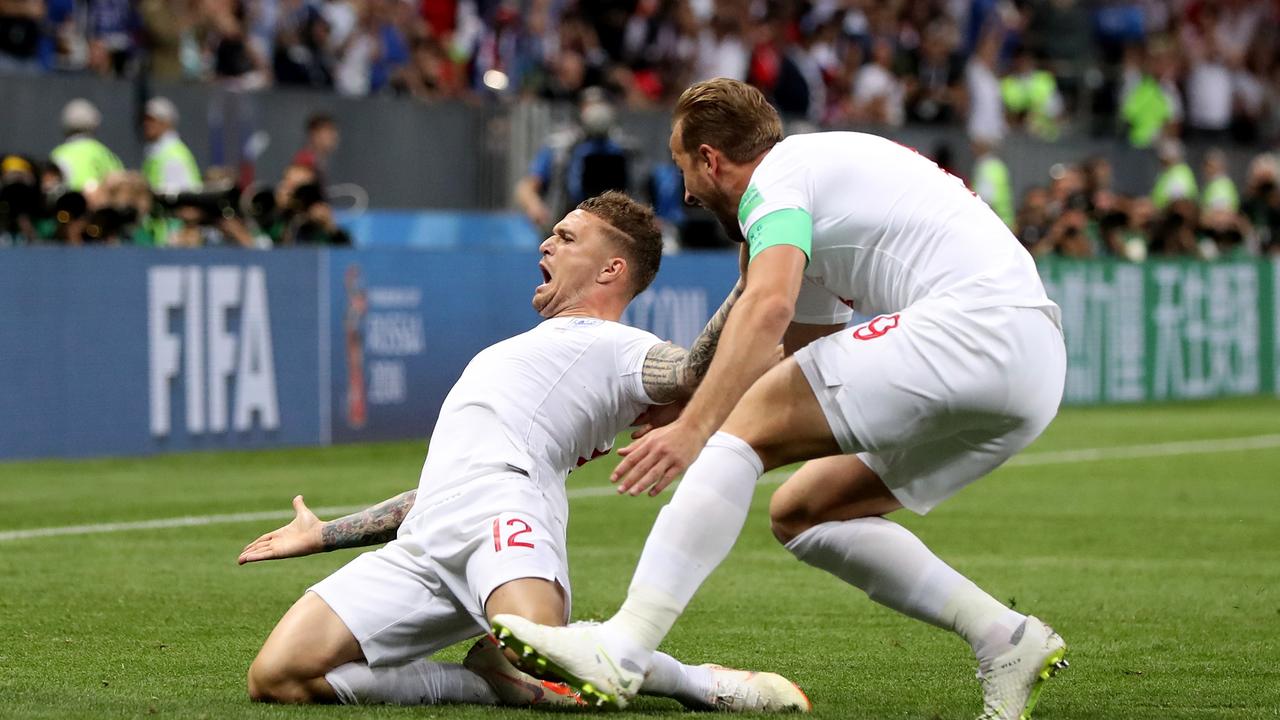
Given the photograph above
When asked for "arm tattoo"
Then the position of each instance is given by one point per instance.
(371, 526)
(671, 373)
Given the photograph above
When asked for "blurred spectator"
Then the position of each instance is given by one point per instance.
(301, 54)
(1031, 97)
(1033, 221)
(84, 161)
(991, 180)
(168, 165)
(877, 91)
(1176, 181)
(165, 24)
(934, 71)
(986, 108)
(396, 23)
(235, 60)
(357, 49)
(576, 163)
(1209, 83)
(112, 26)
(1149, 103)
(322, 139)
(1220, 195)
(722, 46)
(1261, 206)
(429, 74)
(20, 34)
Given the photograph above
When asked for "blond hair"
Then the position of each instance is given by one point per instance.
(730, 116)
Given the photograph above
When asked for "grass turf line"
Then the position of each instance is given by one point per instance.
(1163, 575)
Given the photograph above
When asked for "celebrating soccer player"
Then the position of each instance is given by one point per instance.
(485, 533)
(961, 367)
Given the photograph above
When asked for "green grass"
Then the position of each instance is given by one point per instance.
(1162, 573)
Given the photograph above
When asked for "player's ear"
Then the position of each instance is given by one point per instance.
(614, 270)
(710, 156)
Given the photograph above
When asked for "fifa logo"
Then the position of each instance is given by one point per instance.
(210, 327)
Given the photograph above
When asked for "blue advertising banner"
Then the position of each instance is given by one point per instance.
(403, 324)
(123, 351)
(129, 351)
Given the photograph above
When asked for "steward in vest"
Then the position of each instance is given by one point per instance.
(1031, 95)
(1176, 181)
(84, 161)
(167, 164)
(991, 180)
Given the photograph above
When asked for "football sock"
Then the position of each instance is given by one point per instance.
(668, 677)
(691, 536)
(895, 569)
(421, 682)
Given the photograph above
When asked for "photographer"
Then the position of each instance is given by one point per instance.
(297, 212)
(1261, 206)
(37, 209)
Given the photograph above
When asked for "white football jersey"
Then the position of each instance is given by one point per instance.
(890, 228)
(540, 404)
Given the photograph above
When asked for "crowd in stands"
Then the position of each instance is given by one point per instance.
(1139, 66)
(1078, 213)
(1148, 71)
(83, 194)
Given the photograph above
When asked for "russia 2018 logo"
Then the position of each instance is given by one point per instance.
(878, 326)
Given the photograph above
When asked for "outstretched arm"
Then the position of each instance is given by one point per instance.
(307, 535)
(672, 373)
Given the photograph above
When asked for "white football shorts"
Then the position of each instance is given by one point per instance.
(426, 590)
(934, 397)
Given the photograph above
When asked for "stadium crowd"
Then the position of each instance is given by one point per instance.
(1148, 63)
(1148, 71)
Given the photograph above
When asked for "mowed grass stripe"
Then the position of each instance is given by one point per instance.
(1056, 457)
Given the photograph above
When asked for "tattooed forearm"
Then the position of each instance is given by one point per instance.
(372, 526)
(672, 373)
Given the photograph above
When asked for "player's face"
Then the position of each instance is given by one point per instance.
(701, 188)
(572, 259)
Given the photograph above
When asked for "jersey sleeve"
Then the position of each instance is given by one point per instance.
(631, 351)
(816, 305)
(775, 209)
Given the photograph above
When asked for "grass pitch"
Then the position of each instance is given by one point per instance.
(1161, 571)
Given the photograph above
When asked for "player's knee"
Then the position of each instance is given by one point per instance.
(270, 683)
(788, 516)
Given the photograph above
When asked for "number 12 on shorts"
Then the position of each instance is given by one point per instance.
(511, 529)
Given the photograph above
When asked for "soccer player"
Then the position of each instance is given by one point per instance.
(962, 366)
(486, 532)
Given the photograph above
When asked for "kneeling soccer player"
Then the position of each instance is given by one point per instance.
(486, 532)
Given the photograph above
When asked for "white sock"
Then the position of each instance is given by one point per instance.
(668, 677)
(895, 569)
(421, 682)
(691, 536)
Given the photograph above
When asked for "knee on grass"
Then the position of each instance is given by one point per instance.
(273, 684)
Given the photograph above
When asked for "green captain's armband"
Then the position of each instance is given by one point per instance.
(789, 226)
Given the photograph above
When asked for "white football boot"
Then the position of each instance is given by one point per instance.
(747, 691)
(1012, 681)
(573, 654)
(513, 687)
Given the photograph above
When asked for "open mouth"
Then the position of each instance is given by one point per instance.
(546, 274)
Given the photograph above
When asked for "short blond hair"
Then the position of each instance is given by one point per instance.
(730, 116)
